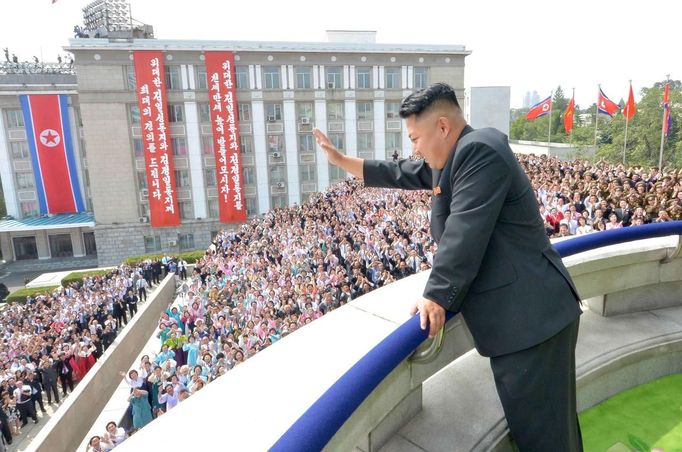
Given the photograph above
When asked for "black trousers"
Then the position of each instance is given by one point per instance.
(50, 390)
(537, 390)
(38, 398)
(142, 294)
(66, 378)
(26, 410)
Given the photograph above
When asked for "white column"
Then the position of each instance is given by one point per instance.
(259, 84)
(183, 77)
(292, 80)
(323, 78)
(375, 77)
(352, 76)
(346, 77)
(403, 77)
(316, 77)
(410, 77)
(294, 188)
(260, 151)
(190, 74)
(407, 144)
(6, 175)
(322, 164)
(382, 77)
(252, 77)
(285, 79)
(379, 130)
(196, 166)
(351, 128)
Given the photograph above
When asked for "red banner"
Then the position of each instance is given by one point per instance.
(226, 145)
(158, 153)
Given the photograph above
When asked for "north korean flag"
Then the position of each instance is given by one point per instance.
(48, 131)
(606, 105)
(542, 108)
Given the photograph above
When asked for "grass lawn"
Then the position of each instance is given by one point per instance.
(640, 419)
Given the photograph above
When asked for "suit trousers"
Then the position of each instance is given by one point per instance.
(537, 390)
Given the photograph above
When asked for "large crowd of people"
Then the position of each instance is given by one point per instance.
(54, 339)
(265, 279)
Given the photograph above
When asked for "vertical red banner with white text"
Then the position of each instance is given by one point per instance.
(226, 144)
(158, 152)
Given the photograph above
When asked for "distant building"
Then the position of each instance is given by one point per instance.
(487, 106)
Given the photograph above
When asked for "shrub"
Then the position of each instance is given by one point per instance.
(21, 294)
(78, 276)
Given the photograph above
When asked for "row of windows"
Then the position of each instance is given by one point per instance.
(273, 112)
(303, 77)
(152, 243)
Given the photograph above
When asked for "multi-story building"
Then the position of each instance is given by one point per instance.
(349, 87)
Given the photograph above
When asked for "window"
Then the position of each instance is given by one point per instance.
(25, 180)
(213, 209)
(272, 74)
(304, 77)
(304, 111)
(364, 110)
(186, 212)
(392, 110)
(152, 243)
(141, 180)
(307, 173)
(138, 147)
(130, 78)
(19, 149)
(176, 113)
(144, 209)
(60, 245)
(210, 177)
(202, 78)
(241, 73)
(278, 201)
(393, 140)
(246, 142)
(305, 197)
(365, 141)
(334, 77)
(393, 77)
(251, 206)
(420, 77)
(248, 175)
(336, 173)
(335, 111)
(204, 113)
(173, 80)
(186, 241)
(15, 119)
(275, 143)
(244, 112)
(273, 112)
(306, 143)
(179, 145)
(207, 144)
(337, 140)
(29, 208)
(182, 178)
(363, 78)
(277, 174)
(134, 115)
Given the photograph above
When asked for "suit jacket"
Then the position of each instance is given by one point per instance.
(494, 263)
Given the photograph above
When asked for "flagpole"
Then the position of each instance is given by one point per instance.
(596, 121)
(627, 120)
(660, 154)
(549, 131)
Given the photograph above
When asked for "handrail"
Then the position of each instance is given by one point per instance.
(313, 430)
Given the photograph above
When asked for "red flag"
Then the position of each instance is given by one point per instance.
(606, 105)
(629, 109)
(542, 108)
(667, 119)
(568, 116)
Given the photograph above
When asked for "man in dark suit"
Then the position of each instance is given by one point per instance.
(494, 263)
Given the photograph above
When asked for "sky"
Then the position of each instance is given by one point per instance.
(525, 44)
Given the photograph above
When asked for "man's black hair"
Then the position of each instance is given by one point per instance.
(422, 100)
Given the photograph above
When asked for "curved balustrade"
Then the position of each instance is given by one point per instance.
(355, 357)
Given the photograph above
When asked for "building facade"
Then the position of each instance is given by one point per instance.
(350, 87)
